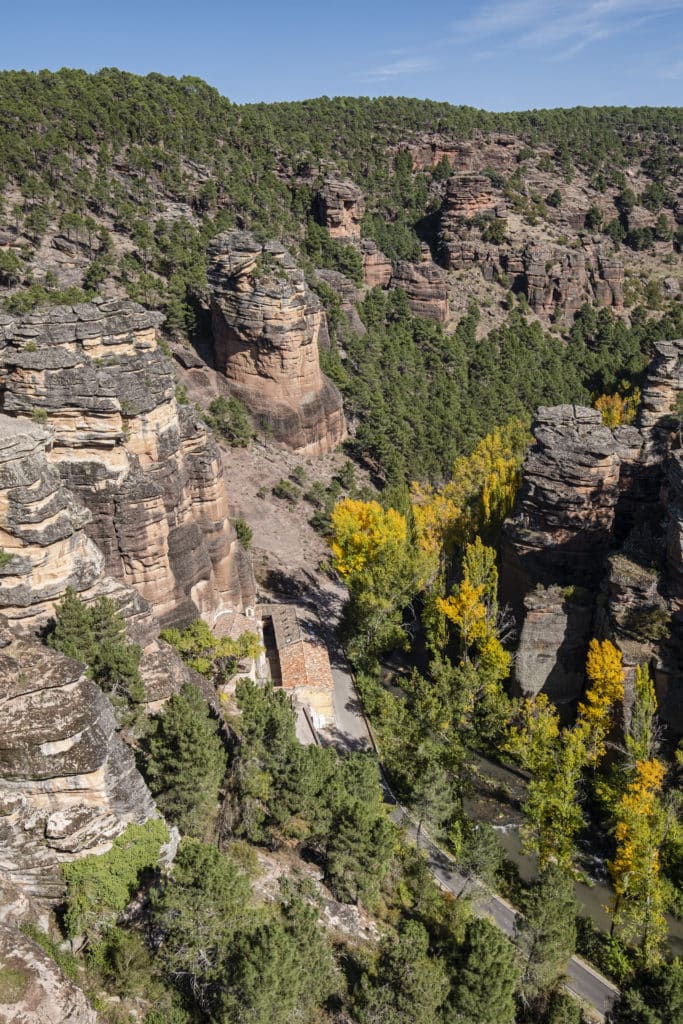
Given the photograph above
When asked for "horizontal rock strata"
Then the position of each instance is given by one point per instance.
(146, 469)
(68, 783)
(267, 326)
(377, 268)
(340, 206)
(426, 286)
(561, 527)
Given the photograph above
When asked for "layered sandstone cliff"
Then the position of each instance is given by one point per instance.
(68, 783)
(340, 206)
(46, 549)
(267, 326)
(561, 528)
(145, 467)
(426, 286)
(377, 269)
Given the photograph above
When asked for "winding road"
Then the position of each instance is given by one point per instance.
(353, 732)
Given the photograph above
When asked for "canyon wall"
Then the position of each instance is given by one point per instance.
(267, 326)
(68, 782)
(585, 553)
(145, 468)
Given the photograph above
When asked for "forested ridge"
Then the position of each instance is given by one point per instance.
(290, 895)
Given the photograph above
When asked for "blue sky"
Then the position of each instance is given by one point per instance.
(497, 54)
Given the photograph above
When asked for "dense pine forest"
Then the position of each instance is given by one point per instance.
(276, 883)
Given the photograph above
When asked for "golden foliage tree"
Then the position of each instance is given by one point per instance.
(372, 553)
(618, 410)
(557, 757)
(364, 535)
(640, 901)
(478, 496)
(472, 608)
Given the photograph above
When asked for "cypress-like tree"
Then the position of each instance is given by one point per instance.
(484, 990)
(187, 762)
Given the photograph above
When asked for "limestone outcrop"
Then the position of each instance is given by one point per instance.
(267, 326)
(377, 268)
(426, 286)
(68, 783)
(561, 527)
(34, 990)
(146, 469)
(340, 206)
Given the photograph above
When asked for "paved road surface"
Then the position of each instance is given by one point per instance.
(352, 733)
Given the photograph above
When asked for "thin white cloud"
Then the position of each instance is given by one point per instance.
(557, 29)
(404, 66)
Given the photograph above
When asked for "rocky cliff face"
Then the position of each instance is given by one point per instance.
(340, 206)
(583, 553)
(426, 286)
(552, 645)
(144, 467)
(42, 528)
(377, 269)
(466, 196)
(35, 991)
(551, 277)
(267, 326)
(566, 279)
(561, 528)
(68, 783)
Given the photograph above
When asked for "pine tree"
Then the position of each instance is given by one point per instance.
(486, 982)
(96, 635)
(547, 932)
(187, 762)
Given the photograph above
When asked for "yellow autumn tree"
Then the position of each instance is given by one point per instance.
(618, 410)
(557, 757)
(472, 608)
(640, 901)
(371, 552)
(606, 677)
(365, 534)
(478, 496)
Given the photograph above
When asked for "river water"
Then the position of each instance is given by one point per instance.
(594, 898)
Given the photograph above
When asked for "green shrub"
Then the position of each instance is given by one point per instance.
(286, 490)
(228, 418)
(99, 887)
(244, 532)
